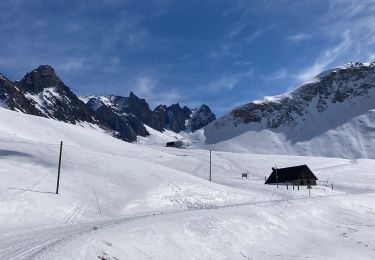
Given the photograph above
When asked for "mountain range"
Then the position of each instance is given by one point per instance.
(42, 93)
(332, 115)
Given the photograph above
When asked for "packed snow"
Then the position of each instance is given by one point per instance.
(135, 201)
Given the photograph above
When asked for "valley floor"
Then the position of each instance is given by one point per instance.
(156, 202)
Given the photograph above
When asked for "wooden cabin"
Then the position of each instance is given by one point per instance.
(297, 175)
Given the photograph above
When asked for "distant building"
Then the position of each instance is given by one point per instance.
(298, 175)
(175, 144)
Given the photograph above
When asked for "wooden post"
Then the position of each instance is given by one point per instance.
(298, 186)
(293, 186)
(58, 172)
(210, 165)
(287, 186)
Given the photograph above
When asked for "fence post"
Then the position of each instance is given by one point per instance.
(58, 171)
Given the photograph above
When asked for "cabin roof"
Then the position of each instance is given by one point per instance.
(290, 174)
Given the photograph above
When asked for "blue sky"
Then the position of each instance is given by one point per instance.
(218, 52)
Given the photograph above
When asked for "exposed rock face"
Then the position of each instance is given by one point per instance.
(135, 111)
(200, 118)
(112, 110)
(14, 99)
(335, 86)
(42, 93)
(176, 117)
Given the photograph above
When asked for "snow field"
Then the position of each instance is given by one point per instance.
(229, 218)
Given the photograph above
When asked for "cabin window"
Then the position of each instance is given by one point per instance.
(301, 182)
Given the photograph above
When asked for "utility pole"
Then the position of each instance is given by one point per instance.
(210, 165)
(58, 172)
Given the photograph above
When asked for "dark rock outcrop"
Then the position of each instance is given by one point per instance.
(173, 117)
(334, 86)
(42, 93)
(14, 99)
(112, 110)
(200, 118)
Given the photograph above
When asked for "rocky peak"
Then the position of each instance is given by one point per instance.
(39, 79)
(42, 93)
(350, 83)
(200, 118)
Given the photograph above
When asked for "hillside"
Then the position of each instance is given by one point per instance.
(333, 115)
(152, 197)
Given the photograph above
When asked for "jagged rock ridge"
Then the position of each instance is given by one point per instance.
(42, 93)
(331, 87)
(332, 115)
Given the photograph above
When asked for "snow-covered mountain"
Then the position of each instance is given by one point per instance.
(42, 93)
(131, 115)
(333, 115)
(200, 118)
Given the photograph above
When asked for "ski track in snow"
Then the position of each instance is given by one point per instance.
(31, 244)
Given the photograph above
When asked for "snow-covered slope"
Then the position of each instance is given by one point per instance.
(333, 115)
(156, 202)
(126, 178)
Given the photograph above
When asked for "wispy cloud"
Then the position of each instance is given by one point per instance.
(277, 75)
(299, 37)
(147, 87)
(223, 51)
(227, 82)
(326, 58)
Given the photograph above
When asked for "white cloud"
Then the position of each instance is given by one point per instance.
(255, 35)
(299, 37)
(227, 82)
(71, 65)
(242, 63)
(325, 59)
(221, 52)
(147, 87)
(277, 75)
